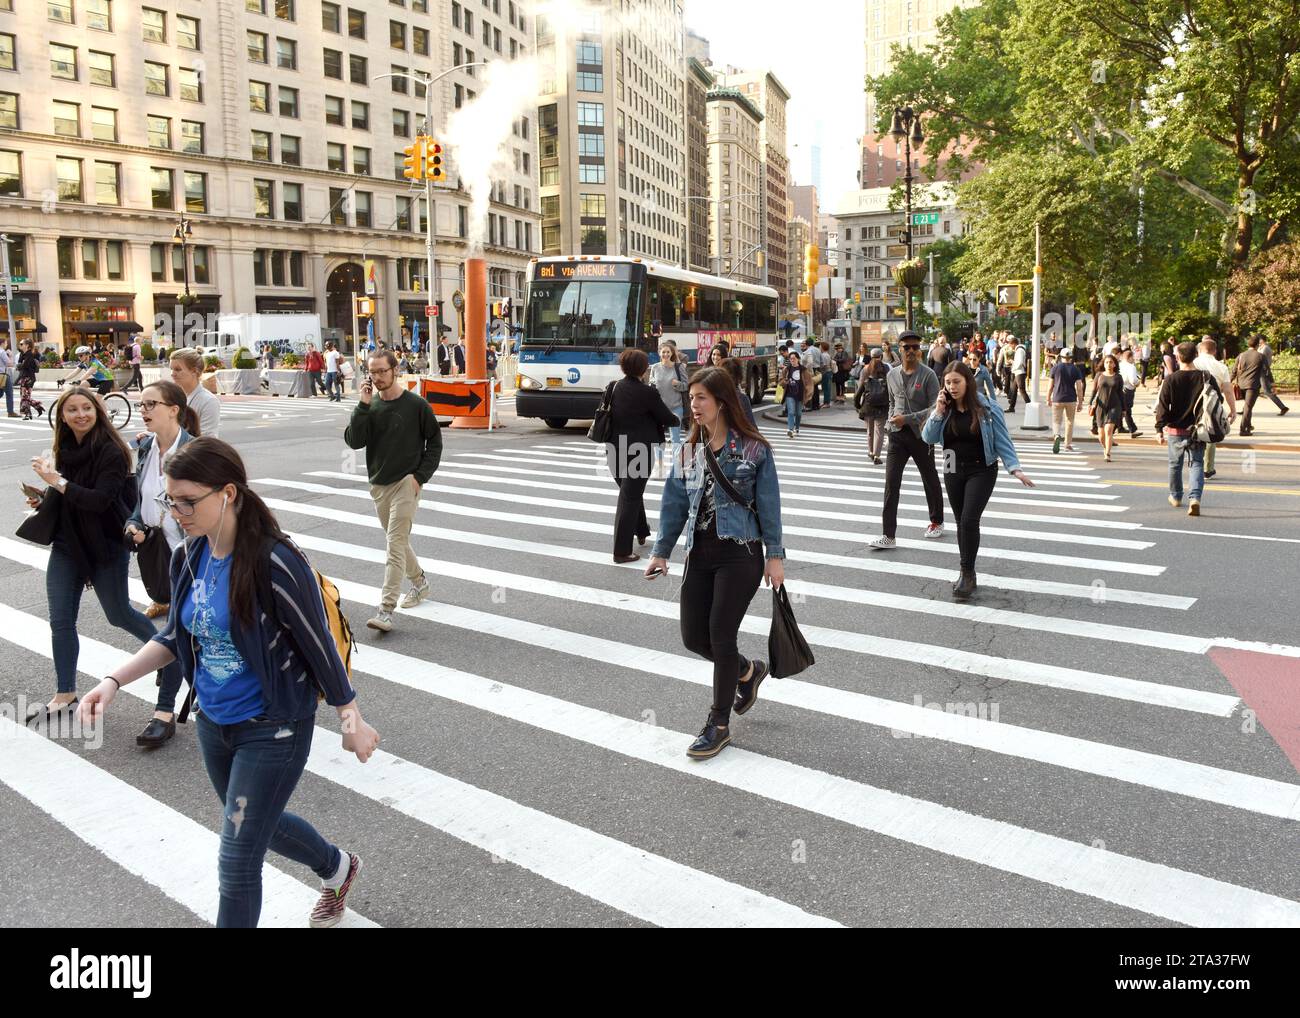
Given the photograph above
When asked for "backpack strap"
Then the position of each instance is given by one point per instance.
(721, 479)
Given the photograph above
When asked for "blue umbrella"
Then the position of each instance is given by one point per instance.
(370, 331)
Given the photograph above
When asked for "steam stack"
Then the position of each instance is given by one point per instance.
(475, 331)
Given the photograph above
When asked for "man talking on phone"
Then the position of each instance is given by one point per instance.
(403, 444)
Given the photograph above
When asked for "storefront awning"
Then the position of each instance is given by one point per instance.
(103, 328)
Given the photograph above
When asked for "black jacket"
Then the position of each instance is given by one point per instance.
(99, 495)
(1176, 404)
(638, 413)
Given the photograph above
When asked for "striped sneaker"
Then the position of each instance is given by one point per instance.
(329, 910)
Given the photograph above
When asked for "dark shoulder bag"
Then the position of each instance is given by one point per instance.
(787, 651)
(41, 526)
(602, 425)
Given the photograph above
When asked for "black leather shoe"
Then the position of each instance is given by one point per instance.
(42, 712)
(621, 559)
(965, 586)
(747, 692)
(711, 742)
(156, 732)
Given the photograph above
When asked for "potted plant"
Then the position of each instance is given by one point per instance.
(290, 360)
(910, 274)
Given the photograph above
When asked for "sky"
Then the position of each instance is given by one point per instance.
(815, 48)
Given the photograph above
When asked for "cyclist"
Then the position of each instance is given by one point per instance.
(91, 372)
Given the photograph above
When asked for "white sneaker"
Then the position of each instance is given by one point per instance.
(934, 530)
(883, 542)
(417, 593)
(383, 621)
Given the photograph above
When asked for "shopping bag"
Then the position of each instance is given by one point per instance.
(787, 650)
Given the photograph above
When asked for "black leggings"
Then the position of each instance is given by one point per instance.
(721, 579)
(969, 491)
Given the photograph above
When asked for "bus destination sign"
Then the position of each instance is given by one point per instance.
(583, 270)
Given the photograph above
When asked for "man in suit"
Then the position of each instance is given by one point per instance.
(1248, 376)
(1266, 382)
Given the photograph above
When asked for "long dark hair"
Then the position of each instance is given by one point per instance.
(722, 387)
(970, 397)
(174, 395)
(214, 464)
(102, 431)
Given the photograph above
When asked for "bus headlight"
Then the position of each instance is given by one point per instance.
(526, 383)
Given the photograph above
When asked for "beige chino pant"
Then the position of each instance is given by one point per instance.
(395, 504)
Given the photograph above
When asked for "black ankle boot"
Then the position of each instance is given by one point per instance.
(965, 586)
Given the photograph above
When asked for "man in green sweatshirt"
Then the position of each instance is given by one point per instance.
(403, 444)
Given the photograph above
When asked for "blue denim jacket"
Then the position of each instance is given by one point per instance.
(993, 430)
(748, 465)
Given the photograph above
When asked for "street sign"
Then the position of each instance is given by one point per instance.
(456, 399)
(431, 311)
(925, 219)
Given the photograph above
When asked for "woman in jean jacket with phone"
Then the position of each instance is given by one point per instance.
(725, 539)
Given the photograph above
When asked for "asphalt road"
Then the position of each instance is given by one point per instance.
(1107, 735)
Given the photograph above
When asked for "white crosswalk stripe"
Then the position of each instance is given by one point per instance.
(515, 537)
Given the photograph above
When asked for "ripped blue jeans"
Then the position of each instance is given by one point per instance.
(255, 766)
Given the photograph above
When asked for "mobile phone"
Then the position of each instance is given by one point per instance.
(30, 491)
(659, 571)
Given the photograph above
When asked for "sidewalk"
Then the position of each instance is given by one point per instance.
(1273, 432)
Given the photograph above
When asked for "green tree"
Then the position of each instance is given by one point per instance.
(1264, 297)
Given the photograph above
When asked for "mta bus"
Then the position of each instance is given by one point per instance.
(581, 312)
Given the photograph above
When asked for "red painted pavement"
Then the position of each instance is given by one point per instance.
(1270, 686)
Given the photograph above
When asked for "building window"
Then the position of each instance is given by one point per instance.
(200, 257)
(591, 173)
(163, 195)
(334, 64)
(401, 124)
(196, 192)
(591, 114)
(257, 47)
(284, 10)
(356, 24)
(360, 160)
(187, 32)
(396, 35)
(107, 177)
(593, 240)
(338, 215)
(591, 81)
(550, 206)
(550, 176)
(361, 207)
(358, 70)
(11, 177)
(399, 79)
(289, 102)
(334, 110)
(99, 15)
(420, 41)
(329, 17)
(155, 79)
(154, 24)
(360, 116)
(101, 69)
(192, 137)
(591, 145)
(90, 259)
(67, 253)
(160, 131)
(63, 61)
(103, 123)
(9, 110)
(261, 146)
(462, 215)
(113, 261)
(7, 62)
(403, 221)
(255, 6)
(292, 202)
(259, 97)
(290, 150)
(67, 119)
(336, 156)
(286, 54)
(592, 206)
(259, 267)
(190, 87)
(591, 53)
(263, 199)
(158, 262)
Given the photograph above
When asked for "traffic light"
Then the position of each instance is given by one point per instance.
(433, 167)
(812, 262)
(1011, 295)
(413, 164)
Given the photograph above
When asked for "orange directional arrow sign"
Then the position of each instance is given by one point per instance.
(456, 399)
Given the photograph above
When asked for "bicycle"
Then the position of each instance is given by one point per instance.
(116, 405)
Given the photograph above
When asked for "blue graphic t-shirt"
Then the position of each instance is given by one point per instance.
(227, 689)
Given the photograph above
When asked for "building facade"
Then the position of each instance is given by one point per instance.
(612, 117)
(276, 128)
(770, 97)
(735, 167)
(798, 235)
(698, 82)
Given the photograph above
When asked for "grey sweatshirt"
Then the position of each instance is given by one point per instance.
(912, 395)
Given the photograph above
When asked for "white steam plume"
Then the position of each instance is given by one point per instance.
(478, 135)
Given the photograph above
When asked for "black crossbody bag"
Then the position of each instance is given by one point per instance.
(787, 651)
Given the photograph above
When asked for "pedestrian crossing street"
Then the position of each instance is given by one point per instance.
(1059, 751)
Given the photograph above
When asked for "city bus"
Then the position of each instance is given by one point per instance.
(581, 312)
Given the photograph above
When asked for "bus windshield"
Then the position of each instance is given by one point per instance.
(583, 312)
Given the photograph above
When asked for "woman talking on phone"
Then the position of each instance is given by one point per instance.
(723, 491)
(973, 432)
(255, 668)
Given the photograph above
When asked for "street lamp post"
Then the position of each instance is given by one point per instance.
(181, 235)
(907, 129)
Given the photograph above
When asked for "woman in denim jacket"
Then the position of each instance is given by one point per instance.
(973, 432)
(724, 544)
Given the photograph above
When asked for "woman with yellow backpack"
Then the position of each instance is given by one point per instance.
(249, 620)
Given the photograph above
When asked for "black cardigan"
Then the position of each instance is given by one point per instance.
(638, 413)
(94, 507)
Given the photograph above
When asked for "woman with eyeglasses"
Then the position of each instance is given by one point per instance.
(156, 534)
(248, 626)
(88, 477)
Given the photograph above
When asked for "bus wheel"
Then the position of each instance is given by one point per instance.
(556, 422)
(756, 389)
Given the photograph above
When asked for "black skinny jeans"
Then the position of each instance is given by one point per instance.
(905, 444)
(969, 490)
(721, 579)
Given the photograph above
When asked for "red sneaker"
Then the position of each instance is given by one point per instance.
(329, 910)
